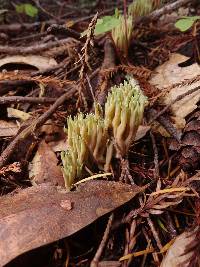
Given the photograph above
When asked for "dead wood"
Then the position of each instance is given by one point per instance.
(29, 130)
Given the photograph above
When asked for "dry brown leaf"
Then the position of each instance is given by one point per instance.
(52, 131)
(41, 214)
(18, 114)
(182, 250)
(58, 146)
(142, 131)
(170, 73)
(8, 128)
(44, 166)
(39, 62)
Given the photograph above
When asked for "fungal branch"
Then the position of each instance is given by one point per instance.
(91, 137)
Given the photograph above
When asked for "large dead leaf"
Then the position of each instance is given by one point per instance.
(170, 73)
(182, 250)
(44, 166)
(39, 62)
(40, 215)
(8, 128)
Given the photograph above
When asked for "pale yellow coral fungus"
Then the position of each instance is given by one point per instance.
(94, 136)
(124, 112)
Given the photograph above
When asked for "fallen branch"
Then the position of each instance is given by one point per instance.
(29, 130)
(95, 261)
(55, 29)
(34, 48)
(168, 8)
(108, 62)
(180, 97)
(26, 99)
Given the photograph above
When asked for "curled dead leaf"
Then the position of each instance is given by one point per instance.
(39, 62)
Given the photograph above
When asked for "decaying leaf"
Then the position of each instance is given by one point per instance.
(142, 131)
(39, 62)
(8, 128)
(58, 146)
(18, 114)
(182, 250)
(41, 214)
(170, 73)
(44, 166)
(52, 131)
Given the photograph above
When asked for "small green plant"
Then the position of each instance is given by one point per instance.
(185, 23)
(121, 28)
(122, 33)
(27, 9)
(141, 7)
(92, 139)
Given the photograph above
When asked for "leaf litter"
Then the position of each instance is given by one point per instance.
(144, 211)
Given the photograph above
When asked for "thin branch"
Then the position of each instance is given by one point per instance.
(155, 233)
(168, 8)
(102, 245)
(180, 97)
(29, 130)
(26, 99)
(34, 48)
(56, 28)
(156, 162)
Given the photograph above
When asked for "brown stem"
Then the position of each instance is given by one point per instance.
(26, 99)
(102, 245)
(29, 130)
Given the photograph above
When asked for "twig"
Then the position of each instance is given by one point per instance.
(156, 163)
(126, 250)
(26, 99)
(170, 225)
(102, 245)
(37, 2)
(155, 233)
(16, 27)
(125, 171)
(55, 29)
(108, 62)
(132, 239)
(50, 69)
(89, 43)
(189, 92)
(34, 48)
(30, 36)
(168, 8)
(29, 130)
(156, 14)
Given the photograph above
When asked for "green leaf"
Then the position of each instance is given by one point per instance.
(19, 8)
(186, 23)
(30, 10)
(106, 24)
(27, 9)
